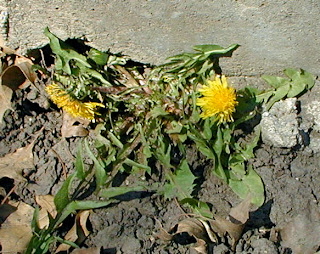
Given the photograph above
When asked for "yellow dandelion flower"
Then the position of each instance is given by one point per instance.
(73, 106)
(218, 100)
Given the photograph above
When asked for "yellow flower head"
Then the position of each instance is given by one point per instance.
(73, 106)
(218, 100)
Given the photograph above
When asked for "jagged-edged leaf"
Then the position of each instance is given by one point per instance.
(163, 153)
(274, 81)
(215, 49)
(299, 81)
(180, 183)
(64, 54)
(137, 165)
(100, 172)
(100, 140)
(278, 95)
(98, 57)
(251, 184)
(115, 140)
(201, 143)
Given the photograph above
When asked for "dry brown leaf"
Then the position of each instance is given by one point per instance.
(69, 129)
(11, 165)
(20, 75)
(46, 202)
(201, 246)
(163, 234)
(301, 235)
(238, 216)
(5, 211)
(78, 232)
(5, 100)
(193, 227)
(241, 211)
(83, 217)
(16, 232)
(197, 228)
(95, 250)
(205, 230)
(223, 226)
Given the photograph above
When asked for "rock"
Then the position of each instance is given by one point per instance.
(264, 245)
(310, 116)
(279, 126)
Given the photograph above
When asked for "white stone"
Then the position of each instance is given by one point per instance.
(279, 126)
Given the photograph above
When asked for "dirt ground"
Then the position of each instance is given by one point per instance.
(291, 177)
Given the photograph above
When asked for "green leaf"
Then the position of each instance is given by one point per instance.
(35, 220)
(61, 240)
(61, 199)
(264, 97)
(98, 57)
(218, 169)
(207, 47)
(158, 111)
(298, 83)
(296, 90)
(180, 183)
(198, 207)
(206, 66)
(206, 151)
(112, 192)
(176, 127)
(238, 170)
(215, 49)
(81, 205)
(207, 132)
(251, 184)
(132, 163)
(115, 140)
(218, 143)
(99, 139)
(94, 74)
(291, 73)
(100, 172)
(276, 82)
(65, 55)
(278, 95)
(201, 143)
(79, 166)
(247, 152)
(163, 153)
(301, 81)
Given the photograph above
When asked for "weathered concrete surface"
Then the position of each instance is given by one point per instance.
(273, 34)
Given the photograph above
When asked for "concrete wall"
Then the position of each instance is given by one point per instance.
(273, 34)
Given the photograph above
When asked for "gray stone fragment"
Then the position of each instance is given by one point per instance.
(315, 141)
(313, 110)
(264, 245)
(310, 116)
(279, 126)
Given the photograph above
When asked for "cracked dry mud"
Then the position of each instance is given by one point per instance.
(291, 177)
